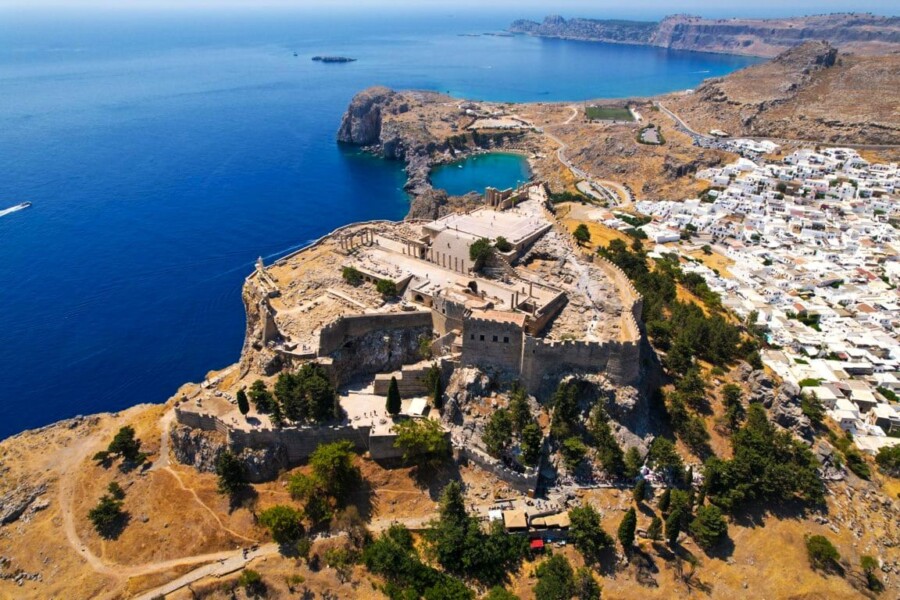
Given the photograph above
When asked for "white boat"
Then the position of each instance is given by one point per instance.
(15, 208)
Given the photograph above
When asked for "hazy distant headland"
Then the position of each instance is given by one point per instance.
(856, 32)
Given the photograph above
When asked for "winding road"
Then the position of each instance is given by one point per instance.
(622, 194)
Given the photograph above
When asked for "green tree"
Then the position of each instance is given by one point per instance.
(231, 474)
(108, 517)
(664, 457)
(532, 439)
(333, 465)
(519, 410)
(393, 398)
(386, 288)
(812, 407)
(582, 234)
(708, 526)
(262, 398)
(422, 441)
(888, 458)
(608, 450)
(556, 580)
(115, 490)
(673, 527)
(587, 534)
(586, 587)
(654, 531)
(479, 250)
(640, 491)
(564, 421)
(434, 385)
(500, 593)
(498, 432)
(665, 501)
(822, 553)
(126, 445)
(573, 451)
(633, 462)
(734, 408)
(627, 528)
(307, 395)
(283, 522)
(242, 402)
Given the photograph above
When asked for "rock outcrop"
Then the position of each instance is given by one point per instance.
(201, 450)
(861, 33)
(361, 124)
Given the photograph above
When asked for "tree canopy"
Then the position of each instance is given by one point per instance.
(422, 441)
(587, 533)
(307, 396)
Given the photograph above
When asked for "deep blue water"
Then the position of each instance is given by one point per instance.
(501, 170)
(164, 153)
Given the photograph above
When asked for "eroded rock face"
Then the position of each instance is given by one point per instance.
(783, 403)
(21, 500)
(201, 449)
(361, 123)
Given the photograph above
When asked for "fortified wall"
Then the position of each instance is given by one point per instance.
(298, 442)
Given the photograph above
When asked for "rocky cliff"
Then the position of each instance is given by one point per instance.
(860, 33)
(810, 92)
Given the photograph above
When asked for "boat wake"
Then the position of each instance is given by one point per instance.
(16, 208)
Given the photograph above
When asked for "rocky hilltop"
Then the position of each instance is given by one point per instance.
(860, 33)
(810, 92)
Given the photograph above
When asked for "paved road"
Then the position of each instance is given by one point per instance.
(621, 193)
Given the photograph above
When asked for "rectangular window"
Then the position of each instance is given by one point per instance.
(471, 336)
(495, 338)
(505, 340)
(481, 338)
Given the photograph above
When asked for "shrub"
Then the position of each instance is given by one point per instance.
(252, 582)
(822, 553)
(283, 522)
(386, 288)
(582, 234)
(352, 275)
(502, 244)
(888, 458)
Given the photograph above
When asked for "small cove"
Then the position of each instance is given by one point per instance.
(473, 174)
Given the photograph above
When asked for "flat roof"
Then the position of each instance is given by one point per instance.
(486, 223)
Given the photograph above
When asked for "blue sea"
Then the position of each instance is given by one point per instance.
(164, 152)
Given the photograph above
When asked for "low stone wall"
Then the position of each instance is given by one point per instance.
(298, 442)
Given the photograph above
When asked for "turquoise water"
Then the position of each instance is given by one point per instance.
(164, 152)
(501, 170)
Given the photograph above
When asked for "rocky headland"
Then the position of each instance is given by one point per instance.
(861, 33)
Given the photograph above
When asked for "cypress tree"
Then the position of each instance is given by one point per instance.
(640, 491)
(654, 532)
(242, 402)
(665, 500)
(673, 527)
(438, 393)
(393, 398)
(627, 528)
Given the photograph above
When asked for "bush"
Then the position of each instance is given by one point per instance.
(582, 234)
(352, 275)
(502, 244)
(252, 582)
(283, 522)
(888, 458)
(870, 566)
(822, 553)
(386, 288)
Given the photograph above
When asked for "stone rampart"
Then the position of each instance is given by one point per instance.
(299, 442)
(334, 335)
(492, 343)
(544, 361)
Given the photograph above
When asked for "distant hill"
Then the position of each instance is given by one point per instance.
(856, 32)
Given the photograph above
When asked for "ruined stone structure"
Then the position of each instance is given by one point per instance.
(535, 311)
